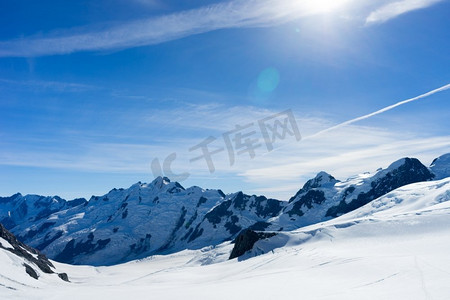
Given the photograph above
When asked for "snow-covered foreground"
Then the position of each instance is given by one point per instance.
(397, 247)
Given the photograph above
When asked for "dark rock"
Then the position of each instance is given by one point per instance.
(64, 276)
(31, 233)
(215, 216)
(246, 240)
(201, 201)
(310, 198)
(192, 219)
(259, 226)
(22, 250)
(231, 225)
(31, 255)
(30, 271)
(240, 201)
(267, 208)
(196, 234)
(221, 193)
(125, 214)
(49, 239)
(73, 249)
(77, 202)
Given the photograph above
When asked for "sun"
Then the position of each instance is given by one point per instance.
(322, 6)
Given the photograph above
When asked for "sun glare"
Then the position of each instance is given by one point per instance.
(322, 6)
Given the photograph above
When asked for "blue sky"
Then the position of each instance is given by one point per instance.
(91, 92)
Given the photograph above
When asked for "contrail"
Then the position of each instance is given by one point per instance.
(443, 88)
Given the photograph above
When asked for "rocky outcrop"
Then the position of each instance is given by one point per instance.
(246, 240)
(32, 257)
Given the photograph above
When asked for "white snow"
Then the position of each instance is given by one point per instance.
(396, 247)
(77, 216)
(441, 166)
(410, 198)
(5, 243)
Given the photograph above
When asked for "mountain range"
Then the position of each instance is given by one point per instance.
(163, 217)
(394, 247)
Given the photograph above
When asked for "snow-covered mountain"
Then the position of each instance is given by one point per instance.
(395, 247)
(163, 217)
(440, 167)
(18, 209)
(122, 225)
(324, 197)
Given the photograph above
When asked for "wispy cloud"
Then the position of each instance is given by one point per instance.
(395, 9)
(155, 30)
(234, 14)
(50, 85)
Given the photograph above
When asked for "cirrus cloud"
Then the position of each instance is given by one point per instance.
(395, 9)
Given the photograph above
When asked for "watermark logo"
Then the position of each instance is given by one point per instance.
(241, 140)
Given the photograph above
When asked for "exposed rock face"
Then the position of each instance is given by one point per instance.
(238, 212)
(63, 276)
(31, 256)
(30, 271)
(246, 240)
(406, 171)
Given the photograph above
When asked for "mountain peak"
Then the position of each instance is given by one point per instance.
(407, 169)
(321, 179)
(324, 177)
(440, 166)
(318, 181)
(404, 164)
(160, 181)
(398, 163)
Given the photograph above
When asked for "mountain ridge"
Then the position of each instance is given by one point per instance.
(163, 217)
(35, 263)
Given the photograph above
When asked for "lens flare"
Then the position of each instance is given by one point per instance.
(268, 80)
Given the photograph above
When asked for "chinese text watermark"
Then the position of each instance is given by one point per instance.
(241, 140)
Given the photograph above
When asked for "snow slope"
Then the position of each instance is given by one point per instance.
(22, 266)
(393, 248)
